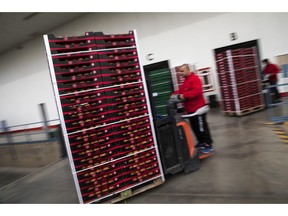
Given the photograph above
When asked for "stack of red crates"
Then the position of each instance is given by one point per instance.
(105, 111)
(239, 79)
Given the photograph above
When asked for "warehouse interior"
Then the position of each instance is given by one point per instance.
(38, 163)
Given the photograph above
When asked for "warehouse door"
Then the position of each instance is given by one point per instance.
(160, 87)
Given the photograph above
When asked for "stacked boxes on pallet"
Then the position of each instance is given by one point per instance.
(104, 111)
(206, 79)
(177, 78)
(239, 79)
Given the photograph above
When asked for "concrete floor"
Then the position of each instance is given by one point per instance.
(249, 166)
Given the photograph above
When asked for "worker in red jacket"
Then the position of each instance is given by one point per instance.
(270, 71)
(192, 94)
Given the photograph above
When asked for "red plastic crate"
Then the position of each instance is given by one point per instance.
(220, 56)
(76, 70)
(83, 139)
(79, 75)
(118, 115)
(236, 52)
(244, 103)
(63, 44)
(73, 58)
(228, 105)
(249, 51)
(91, 83)
(83, 102)
(145, 170)
(100, 181)
(117, 55)
(95, 157)
(125, 77)
(88, 122)
(114, 40)
(237, 61)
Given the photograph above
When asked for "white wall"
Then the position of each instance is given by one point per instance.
(177, 37)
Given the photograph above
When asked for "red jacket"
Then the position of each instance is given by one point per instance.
(192, 92)
(273, 70)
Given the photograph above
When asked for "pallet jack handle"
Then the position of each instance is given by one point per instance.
(199, 111)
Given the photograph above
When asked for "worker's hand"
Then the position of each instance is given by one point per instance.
(174, 96)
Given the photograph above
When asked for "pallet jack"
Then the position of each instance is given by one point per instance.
(175, 140)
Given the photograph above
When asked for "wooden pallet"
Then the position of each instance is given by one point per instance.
(244, 112)
(134, 191)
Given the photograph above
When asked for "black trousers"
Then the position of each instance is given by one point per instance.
(274, 90)
(201, 129)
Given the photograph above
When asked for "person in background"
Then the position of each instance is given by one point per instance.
(270, 72)
(192, 94)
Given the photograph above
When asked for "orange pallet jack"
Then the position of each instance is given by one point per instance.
(175, 141)
(189, 137)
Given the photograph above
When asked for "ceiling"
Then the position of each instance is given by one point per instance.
(18, 28)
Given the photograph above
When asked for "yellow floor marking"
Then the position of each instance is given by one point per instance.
(279, 131)
(283, 137)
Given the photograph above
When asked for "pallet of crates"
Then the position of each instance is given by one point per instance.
(248, 100)
(206, 79)
(248, 105)
(104, 112)
(128, 108)
(237, 99)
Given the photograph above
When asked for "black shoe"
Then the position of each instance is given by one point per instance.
(277, 101)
